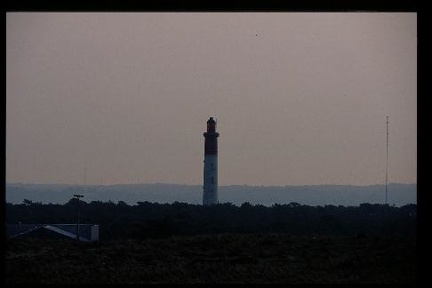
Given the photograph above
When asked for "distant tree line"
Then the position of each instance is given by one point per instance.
(153, 220)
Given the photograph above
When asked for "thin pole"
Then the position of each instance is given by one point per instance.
(85, 174)
(78, 220)
(386, 176)
(78, 212)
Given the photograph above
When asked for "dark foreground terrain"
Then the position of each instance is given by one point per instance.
(224, 258)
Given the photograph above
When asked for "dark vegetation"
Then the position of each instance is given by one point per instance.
(222, 258)
(184, 243)
(153, 220)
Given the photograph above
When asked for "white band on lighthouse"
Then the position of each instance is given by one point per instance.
(210, 180)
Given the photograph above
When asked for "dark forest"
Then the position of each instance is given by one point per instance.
(153, 220)
(224, 243)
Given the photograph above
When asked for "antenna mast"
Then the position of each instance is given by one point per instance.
(85, 174)
(386, 176)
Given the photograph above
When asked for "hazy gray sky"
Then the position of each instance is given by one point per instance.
(300, 98)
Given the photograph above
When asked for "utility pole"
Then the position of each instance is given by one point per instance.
(386, 176)
(78, 218)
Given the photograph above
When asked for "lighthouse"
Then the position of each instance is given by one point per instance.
(210, 196)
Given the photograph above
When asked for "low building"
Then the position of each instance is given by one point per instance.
(87, 232)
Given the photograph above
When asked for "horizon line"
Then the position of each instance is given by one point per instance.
(227, 185)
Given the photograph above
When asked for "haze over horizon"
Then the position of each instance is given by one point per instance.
(199, 184)
(123, 98)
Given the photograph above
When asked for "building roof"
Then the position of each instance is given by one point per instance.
(48, 231)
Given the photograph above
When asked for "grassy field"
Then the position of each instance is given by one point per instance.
(225, 258)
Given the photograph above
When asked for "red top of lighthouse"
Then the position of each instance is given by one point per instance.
(210, 144)
(211, 125)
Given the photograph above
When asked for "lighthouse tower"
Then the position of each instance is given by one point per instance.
(210, 164)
